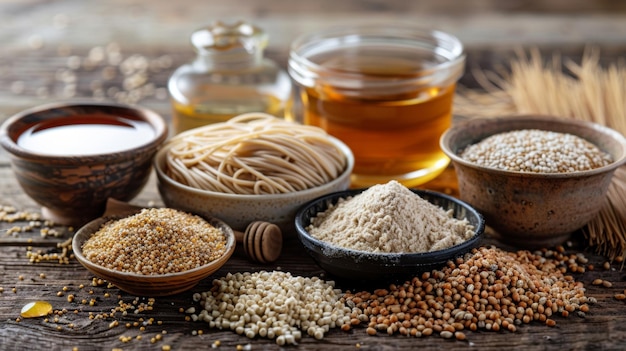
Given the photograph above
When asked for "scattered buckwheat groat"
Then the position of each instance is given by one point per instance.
(155, 241)
(488, 289)
(536, 151)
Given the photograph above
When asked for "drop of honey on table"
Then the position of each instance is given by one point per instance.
(36, 309)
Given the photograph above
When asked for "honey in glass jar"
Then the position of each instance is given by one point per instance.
(386, 91)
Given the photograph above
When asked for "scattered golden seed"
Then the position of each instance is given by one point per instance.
(620, 296)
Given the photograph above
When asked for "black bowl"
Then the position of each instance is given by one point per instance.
(367, 266)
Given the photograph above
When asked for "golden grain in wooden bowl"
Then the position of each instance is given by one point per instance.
(154, 284)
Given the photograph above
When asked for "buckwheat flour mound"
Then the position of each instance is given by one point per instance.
(389, 218)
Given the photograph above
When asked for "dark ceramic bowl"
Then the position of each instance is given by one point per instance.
(157, 284)
(533, 210)
(74, 188)
(356, 265)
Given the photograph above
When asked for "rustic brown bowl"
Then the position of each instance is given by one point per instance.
(157, 284)
(532, 210)
(74, 189)
(240, 210)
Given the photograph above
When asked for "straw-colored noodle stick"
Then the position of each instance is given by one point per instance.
(584, 91)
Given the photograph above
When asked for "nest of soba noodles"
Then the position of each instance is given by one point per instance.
(254, 153)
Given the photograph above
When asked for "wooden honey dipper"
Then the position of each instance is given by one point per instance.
(262, 241)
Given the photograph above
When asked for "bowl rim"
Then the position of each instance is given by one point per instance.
(417, 258)
(156, 122)
(444, 143)
(163, 177)
(82, 235)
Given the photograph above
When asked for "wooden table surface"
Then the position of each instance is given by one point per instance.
(43, 43)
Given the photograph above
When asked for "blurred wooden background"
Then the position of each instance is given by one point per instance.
(36, 34)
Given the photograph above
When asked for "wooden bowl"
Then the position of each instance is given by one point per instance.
(156, 284)
(73, 188)
(360, 266)
(533, 210)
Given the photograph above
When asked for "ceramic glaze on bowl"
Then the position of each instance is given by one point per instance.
(367, 266)
(72, 179)
(533, 210)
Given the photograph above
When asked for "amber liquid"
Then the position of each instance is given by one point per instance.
(393, 135)
(213, 105)
(89, 134)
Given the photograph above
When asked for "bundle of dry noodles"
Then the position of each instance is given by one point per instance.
(585, 91)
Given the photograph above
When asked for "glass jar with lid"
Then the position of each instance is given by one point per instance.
(228, 77)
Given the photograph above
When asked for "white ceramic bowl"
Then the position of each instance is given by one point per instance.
(240, 210)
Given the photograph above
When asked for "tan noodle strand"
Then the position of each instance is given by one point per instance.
(254, 153)
(584, 91)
